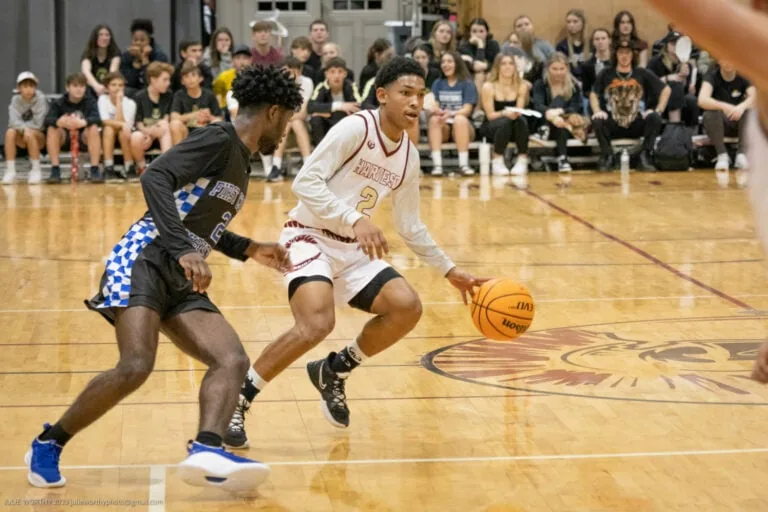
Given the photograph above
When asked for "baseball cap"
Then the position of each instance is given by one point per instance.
(241, 49)
(672, 36)
(26, 75)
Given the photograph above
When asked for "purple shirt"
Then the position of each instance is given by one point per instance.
(273, 56)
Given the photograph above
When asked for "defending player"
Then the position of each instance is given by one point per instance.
(156, 279)
(336, 249)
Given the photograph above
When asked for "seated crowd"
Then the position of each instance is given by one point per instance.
(609, 83)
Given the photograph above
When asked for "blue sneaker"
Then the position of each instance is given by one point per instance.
(42, 459)
(206, 465)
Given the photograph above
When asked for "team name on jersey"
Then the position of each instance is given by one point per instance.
(377, 173)
(229, 193)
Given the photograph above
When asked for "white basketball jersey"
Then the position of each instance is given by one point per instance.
(376, 168)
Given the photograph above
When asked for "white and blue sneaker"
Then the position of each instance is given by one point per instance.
(208, 465)
(42, 459)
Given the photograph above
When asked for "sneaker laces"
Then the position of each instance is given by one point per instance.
(339, 399)
(237, 423)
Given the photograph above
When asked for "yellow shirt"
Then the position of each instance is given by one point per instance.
(222, 85)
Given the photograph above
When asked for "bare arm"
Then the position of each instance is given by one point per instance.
(487, 100)
(664, 99)
(707, 102)
(114, 66)
(85, 67)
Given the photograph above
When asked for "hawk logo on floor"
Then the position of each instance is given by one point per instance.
(691, 360)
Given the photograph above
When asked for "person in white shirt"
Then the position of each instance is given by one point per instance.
(118, 114)
(705, 21)
(337, 251)
(298, 124)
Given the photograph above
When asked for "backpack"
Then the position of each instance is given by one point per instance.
(673, 149)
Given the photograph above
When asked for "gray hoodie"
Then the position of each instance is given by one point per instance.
(22, 114)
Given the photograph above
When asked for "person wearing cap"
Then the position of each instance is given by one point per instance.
(667, 66)
(627, 102)
(26, 117)
(241, 58)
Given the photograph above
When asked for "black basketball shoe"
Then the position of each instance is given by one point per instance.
(331, 388)
(235, 436)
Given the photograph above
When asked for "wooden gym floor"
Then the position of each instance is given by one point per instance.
(630, 392)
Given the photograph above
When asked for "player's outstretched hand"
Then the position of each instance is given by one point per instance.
(760, 370)
(466, 283)
(196, 270)
(271, 255)
(370, 239)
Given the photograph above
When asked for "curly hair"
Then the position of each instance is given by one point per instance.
(260, 86)
(395, 68)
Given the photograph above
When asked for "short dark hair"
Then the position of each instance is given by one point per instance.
(142, 24)
(292, 63)
(395, 68)
(260, 86)
(261, 26)
(301, 42)
(335, 62)
(189, 67)
(110, 77)
(76, 79)
(184, 45)
(318, 22)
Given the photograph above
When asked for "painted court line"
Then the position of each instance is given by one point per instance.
(157, 488)
(641, 252)
(447, 460)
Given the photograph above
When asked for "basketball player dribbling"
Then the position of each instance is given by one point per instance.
(337, 250)
(735, 32)
(156, 279)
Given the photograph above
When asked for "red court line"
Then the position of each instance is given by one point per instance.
(641, 252)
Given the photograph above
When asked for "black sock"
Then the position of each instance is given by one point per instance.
(209, 439)
(344, 362)
(248, 390)
(57, 434)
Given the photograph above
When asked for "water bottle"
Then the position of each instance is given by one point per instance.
(624, 161)
(484, 154)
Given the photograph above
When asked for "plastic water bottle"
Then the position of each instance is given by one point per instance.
(624, 162)
(484, 154)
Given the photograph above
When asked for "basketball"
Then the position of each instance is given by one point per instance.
(502, 309)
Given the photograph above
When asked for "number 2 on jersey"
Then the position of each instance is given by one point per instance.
(368, 198)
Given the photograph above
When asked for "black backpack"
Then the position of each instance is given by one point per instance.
(674, 148)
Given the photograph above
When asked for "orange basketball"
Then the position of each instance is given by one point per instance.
(502, 309)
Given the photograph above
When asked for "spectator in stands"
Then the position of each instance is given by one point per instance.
(241, 58)
(725, 97)
(331, 51)
(379, 52)
(191, 51)
(76, 114)
(153, 111)
(218, 56)
(332, 100)
(318, 34)
(118, 115)
(101, 56)
(574, 46)
(297, 124)
(558, 97)
(622, 101)
(505, 88)
(142, 52)
(421, 55)
(600, 59)
(301, 48)
(455, 99)
(479, 51)
(193, 107)
(625, 30)
(263, 53)
(535, 51)
(676, 74)
(442, 40)
(26, 118)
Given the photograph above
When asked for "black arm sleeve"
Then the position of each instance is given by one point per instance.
(233, 245)
(540, 103)
(184, 163)
(575, 104)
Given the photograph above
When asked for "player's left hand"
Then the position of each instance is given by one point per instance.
(464, 282)
(271, 255)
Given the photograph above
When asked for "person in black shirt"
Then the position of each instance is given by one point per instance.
(479, 51)
(74, 113)
(301, 48)
(318, 34)
(725, 97)
(101, 56)
(192, 106)
(191, 50)
(142, 51)
(379, 53)
(153, 111)
(667, 66)
(601, 59)
(421, 54)
(156, 279)
(333, 100)
(623, 101)
(574, 46)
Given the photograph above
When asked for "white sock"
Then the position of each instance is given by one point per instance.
(277, 162)
(256, 379)
(463, 158)
(498, 160)
(35, 165)
(109, 163)
(437, 158)
(127, 163)
(355, 352)
(10, 166)
(266, 161)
